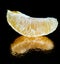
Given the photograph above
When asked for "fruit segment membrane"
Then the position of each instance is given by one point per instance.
(30, 26)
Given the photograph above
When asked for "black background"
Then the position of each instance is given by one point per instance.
(7, 34)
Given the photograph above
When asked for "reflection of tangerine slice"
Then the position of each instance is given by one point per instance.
(23, 44)
(29, 26)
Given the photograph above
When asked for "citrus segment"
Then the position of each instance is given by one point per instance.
(30, 26)
(23, 44)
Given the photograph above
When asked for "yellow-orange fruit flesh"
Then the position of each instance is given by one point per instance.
(23, 44)
(31, 26)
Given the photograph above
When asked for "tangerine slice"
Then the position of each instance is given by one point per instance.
(23, 44)
(30, 26)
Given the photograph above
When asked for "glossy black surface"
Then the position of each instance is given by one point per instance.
(7, 34)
